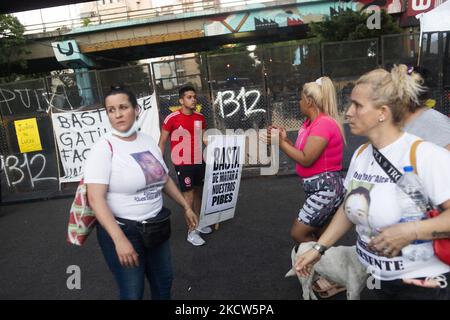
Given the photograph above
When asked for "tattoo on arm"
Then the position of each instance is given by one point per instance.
(439, 235)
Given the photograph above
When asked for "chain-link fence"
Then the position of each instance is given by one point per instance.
(237, 89)
(399, 48)
(288, 68)
(446, 58)
(18, 100)
(23, 97)
(254, 87)
(72, 91)
(243, 89)
(445, 108)
(347, 59)
(137, 78)
(29, 175)
(171, 75)
(238, 95)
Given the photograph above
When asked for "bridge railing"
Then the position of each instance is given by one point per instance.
(123, 13)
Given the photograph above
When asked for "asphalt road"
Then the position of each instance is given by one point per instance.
(245, 259)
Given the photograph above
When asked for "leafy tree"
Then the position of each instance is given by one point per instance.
(351, 25)
(11, 45)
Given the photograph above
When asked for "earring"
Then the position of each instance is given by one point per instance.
(381, 120)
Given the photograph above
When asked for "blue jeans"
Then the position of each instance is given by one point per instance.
(155, 264)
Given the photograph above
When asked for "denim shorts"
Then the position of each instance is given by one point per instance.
(324, 194)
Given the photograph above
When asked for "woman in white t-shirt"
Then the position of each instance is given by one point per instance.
(125, 174)
(379, 103)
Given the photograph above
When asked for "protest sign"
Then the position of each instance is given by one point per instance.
(76, 132)
(224, 161)
(28, 135)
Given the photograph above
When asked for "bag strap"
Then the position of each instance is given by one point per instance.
(413, 161)
(389, 168)
(110, 146)
(361, 149)
(386, 165)
(412, 154)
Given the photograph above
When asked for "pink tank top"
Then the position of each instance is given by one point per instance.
(331, 158)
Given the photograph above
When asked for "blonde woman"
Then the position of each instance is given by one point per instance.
(318, 155)
(380, 101)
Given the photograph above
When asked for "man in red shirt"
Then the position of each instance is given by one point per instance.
(185, 128)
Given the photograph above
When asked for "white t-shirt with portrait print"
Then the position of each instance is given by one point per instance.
(371, 202)
(135, 175)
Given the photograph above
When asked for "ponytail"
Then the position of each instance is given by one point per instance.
(397, 89)
(323, 92)
(408, 83)
(329, 100)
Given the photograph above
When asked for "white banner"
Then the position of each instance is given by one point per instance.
(224, 162)
(75, 133)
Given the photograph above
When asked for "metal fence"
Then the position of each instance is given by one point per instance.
(287, 68)
(347, 59)
(36, 174)
(248, 88)
(402, 48)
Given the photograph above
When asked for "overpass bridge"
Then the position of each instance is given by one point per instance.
(113, 39)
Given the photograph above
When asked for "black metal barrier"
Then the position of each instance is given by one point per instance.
(241, 89)
(35, 174)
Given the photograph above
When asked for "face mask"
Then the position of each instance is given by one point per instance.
(133, 129)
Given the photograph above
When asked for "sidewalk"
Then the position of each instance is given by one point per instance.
(246, 258)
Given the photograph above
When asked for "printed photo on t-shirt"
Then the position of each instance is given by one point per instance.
(357, 208)
(152, 169)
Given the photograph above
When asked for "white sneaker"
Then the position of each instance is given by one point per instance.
(205, 230)
(195, 239)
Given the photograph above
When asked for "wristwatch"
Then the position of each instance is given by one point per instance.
(320, 248)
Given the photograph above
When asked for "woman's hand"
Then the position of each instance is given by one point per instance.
(128, 257)
(305, 262)
(272, 132)
(282, 134)
(392, 239)
(191, 218)
(172, 190)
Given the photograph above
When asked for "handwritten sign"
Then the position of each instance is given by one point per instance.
(28, 135)
(224, 162)
(76, 132)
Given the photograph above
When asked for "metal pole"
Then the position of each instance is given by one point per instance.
(98, 13)
(70, 16)
(42, 20)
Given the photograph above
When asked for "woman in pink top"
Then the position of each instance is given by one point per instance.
(318, 154)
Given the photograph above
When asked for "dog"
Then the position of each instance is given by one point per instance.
(338, 264)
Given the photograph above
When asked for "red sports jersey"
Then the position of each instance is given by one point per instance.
(180, 123)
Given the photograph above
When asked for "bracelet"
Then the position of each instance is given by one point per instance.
(320, 248)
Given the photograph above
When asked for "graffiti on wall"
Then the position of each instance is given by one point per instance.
(229, 103)
(27, 170)
(19, 101)
(304, 12)
(252, 21)
(270, 18)
(242, 108)
(25, 100)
